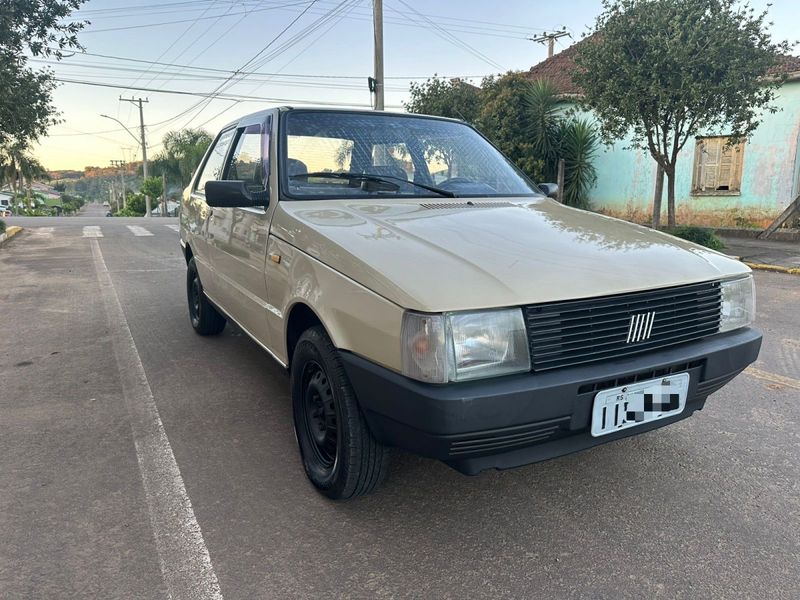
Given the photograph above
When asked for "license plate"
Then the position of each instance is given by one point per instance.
(639, 403)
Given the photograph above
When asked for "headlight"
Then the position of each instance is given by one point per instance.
(738, 303)
(464, 345)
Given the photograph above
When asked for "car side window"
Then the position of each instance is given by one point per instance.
(250, 158)
(212, 170)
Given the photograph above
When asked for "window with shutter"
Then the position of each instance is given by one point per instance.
(717, 167)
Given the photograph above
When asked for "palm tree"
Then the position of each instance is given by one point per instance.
(544, 125)
(555, 136)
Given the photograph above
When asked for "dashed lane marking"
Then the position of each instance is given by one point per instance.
(46, 232)
(174, 227)
(183, 556)
(138, 231)
(92, 231)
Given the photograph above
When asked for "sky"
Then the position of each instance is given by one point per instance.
(253, 54)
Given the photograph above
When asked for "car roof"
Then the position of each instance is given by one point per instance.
(259, 116)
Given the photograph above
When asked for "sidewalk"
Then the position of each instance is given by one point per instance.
(765, 254)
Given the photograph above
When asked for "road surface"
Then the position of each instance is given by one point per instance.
(138, 459)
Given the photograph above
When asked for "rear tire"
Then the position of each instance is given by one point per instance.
(205, 319)
(340, 456)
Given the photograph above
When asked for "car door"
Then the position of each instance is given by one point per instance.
(238, 236)
(198, 214)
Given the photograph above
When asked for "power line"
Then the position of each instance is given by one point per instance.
(212, 95)
(201, 18)
(228, 71)
(450, 37)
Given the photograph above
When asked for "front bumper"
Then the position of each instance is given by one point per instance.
(510, 421)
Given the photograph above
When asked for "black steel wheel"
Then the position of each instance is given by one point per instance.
(339, 453)
(205, 319)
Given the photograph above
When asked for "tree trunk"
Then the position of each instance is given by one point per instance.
(658, 193)
(671, 197)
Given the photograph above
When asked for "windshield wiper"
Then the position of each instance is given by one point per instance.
(375, 178)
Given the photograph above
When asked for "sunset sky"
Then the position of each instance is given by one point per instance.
(324, 57)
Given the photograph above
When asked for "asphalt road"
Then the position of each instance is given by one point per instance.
(706, 508)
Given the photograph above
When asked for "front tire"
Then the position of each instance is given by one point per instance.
(340, 456)
(205, 319)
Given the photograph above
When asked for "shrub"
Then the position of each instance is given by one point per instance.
(698, 235)
(2, 226)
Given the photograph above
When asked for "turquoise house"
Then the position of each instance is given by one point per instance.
(746, 185)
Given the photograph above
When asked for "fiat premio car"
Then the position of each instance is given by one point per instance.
(424, 294)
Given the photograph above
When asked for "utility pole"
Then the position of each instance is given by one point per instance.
(120, 164)
(377, 83)
(550, 38)
(144, 145)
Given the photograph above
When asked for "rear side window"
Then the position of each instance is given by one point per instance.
(250, 158)
(212, 170)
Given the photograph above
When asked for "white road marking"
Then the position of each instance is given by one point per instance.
(44, 231)
(183, 556)
(92, 231)
(174, 227)
(138, 231)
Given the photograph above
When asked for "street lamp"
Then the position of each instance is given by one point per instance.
(141, 142)
(138, 141)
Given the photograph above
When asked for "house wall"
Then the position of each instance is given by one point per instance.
(770, 175)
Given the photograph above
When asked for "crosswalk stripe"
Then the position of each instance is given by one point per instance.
(138, 231)
(92, 231)
(174, 227)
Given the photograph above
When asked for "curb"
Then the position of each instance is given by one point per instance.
(9, 233)
(773, 268)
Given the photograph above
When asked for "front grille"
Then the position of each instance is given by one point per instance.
(575, 332)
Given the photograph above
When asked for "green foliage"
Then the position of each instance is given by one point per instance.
(152, 186)
(71, 204)
(544, 125)
(446, 98)
(503, 118)
(38, 29)
(183, 151)
(579, 141)
(556, 137)
(135, 206)
(666, 70)
(698, 235)
(2, 226)
(522, 119)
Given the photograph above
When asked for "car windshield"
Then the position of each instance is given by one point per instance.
(344, 155)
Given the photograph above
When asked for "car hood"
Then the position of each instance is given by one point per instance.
(444, 255)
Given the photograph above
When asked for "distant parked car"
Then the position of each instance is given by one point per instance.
(109, 214)
(5, 212)
(106, 204)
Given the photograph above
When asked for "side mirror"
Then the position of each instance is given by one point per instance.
(234, 194)
(550, 189)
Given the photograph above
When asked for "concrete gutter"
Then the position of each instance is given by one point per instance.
(9, 233)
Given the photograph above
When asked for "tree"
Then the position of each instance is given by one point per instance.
(20, 168)
(183, 151)
(152, 186)
(663, 71)
(39, 29)
(504, 119)
(451, 98)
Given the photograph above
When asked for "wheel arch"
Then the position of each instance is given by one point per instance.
(300, 317)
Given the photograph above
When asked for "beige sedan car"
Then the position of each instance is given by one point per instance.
(425, 294)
